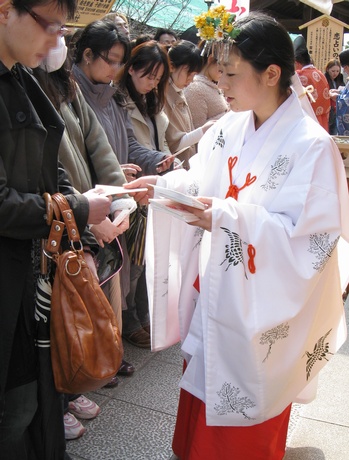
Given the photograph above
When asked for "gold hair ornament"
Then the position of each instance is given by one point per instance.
(216, 27)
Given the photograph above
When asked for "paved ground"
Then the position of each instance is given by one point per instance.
(137, 417)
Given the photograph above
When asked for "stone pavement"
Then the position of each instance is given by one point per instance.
(137, 417)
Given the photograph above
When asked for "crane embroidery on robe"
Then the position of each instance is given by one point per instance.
(198, 234)
(220, 142)
(322, 248)
(321, 349)
(273, 335)
(193, 189)
(232, 402)
(279, 168)
(234, 252)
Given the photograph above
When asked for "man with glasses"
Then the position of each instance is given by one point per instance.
(30, 134)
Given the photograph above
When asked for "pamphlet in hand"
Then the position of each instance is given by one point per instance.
(172, 202)
(173, 208)
(179, 197)
(109, 190)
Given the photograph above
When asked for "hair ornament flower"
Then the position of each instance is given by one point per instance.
(216, 26)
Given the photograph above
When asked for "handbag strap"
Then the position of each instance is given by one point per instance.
(62, 207)
(61, 210)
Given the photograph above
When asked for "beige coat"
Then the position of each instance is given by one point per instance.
(180, 122)
(141, 128)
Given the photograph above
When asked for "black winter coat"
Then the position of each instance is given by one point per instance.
(30, 133)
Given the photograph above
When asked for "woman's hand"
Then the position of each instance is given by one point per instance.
(333, 94)
(143, 182)
(130, 170)
(204, 216)
(105, 232)
(165, 163)
(99, 206)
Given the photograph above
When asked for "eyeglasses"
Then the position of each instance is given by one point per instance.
(51, 28)
(115, 64)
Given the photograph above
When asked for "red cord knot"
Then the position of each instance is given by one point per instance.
(251, 251)
(233, 190)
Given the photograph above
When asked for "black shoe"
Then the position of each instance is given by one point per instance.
(126, 369)
(114, 382)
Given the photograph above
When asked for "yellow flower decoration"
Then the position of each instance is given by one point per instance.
(216, 24)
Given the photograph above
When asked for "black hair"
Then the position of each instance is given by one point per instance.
(344, 57)
(59, 86)
(263, 41)
(162, 31)
(185, 53)
(303, 57)
(141, 39)
(100, 36)
(68, 5)
(147, 57)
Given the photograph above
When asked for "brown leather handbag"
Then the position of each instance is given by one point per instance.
(86, 346)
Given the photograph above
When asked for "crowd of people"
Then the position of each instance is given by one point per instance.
(101, 106)
(326, 88)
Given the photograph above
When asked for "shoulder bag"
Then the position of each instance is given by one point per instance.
(86, 346)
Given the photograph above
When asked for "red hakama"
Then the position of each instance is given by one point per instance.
(194, 440)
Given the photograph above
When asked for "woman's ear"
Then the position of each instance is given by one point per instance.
(87, 56)
(5, 6)
(272, 75)
(131, 70)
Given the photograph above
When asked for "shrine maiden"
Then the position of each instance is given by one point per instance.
(252, 287)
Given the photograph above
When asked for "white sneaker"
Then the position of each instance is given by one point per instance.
(83, 408)
(73, 429)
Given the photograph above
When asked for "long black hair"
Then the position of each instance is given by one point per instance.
(147, 57)
(100, 36)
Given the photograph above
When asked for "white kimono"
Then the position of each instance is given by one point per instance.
(253, 340)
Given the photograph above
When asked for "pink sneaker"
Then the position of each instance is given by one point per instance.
(73, 429)
(83, 408)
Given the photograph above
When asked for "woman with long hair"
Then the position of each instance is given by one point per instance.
(186, 62)
(335, 80)
(143, 80)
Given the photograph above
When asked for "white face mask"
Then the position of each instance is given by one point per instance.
(56, 57)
